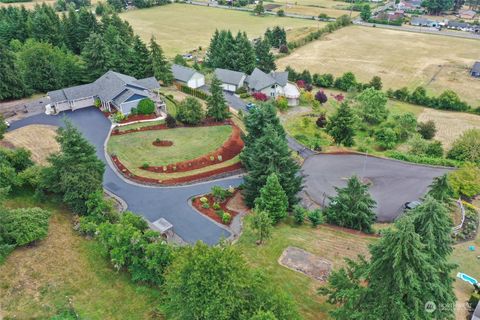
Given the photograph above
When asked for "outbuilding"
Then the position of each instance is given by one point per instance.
(188, 76)
(231, 80)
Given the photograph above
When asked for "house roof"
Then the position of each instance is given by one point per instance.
(476, 67)
(458, 24)
(229, 76)
(259, 80)
(108, 87)
(182, 73)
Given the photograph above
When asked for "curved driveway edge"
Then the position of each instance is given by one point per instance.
(151, 202)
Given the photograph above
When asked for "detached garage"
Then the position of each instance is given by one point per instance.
(231, 80)
(188, 76)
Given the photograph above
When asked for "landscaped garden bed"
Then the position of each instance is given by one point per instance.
(139, 117)
(162, 143)
(215, 205)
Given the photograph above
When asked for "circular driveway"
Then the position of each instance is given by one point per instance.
(152, 203)
(393, 182)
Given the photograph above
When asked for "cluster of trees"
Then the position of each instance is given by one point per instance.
(409, 266)
(190, 111)
(436, 7)
(277, 36)
(237, 53)
(43, 51)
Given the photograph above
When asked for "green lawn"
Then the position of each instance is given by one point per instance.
(181, 27)
(323, 241)
(67, 272)
(135, 149)
(139, 125)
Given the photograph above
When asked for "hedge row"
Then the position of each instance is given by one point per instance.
(194, 92)
(341, 22)
(422, 160)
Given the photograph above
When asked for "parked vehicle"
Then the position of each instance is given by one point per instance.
(250, 106)
(411, 205)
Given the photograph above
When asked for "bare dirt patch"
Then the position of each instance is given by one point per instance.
(450, 125)
(302, 261)
(39, 139)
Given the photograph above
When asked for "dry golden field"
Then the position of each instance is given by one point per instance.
(399, 58)
(39, 139)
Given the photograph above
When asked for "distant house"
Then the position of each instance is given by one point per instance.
(188, 76)
(409, 5)
(273, 84)
(113, 90)
(231, 80)
(466, 14)
(422, 22)
(463, 26)
(475, 72)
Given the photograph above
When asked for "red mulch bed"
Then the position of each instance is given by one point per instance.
(229, 150)
(139, 117)
(210, 212)
(205, 123)
(174, 181)
(162, 143)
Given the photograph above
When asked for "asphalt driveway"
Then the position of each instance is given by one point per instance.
(393, 182)
(152, 203)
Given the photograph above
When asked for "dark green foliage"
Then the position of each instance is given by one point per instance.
(299, 214)
(190, 111)
(11, 82)
(352, 207)
(466, 147)
(323, 80)
(419, 96)
(345, 82)
(422, 159)
(194, 92)
(170, 121)
(404, 125)
(265, 59)
(215, 283)
(437, 6)
(14, 168)
(386, 137)
(366, 12)
(146, 106)
(427, 129)
(259, 9)
(373, 105)
(99, 210)
(440, 189)
(262, 224)
(276, 36)
(376, 83)
(341, 125)
(272, 199)
(315, 217)
(19, 227)
(159, 64)
(140, 64)
(220, 194)
(265, 152)
(96, 56)
(75, 171)
(216, 105)
(449, 100)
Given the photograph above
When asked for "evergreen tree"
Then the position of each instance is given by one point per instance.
(341, 125)
(440, 189)
(44, 25)
(11, 82)
(265, 59)
(266, 155)
(257, 121)
(216, 106)
(75, 171)
(229, 55)
(262, 224)
(352, 207)
(259, 8)
(87, 24)
(159, 64)
(95, 54)
(272, 199)
(279, 37)
(70, 29)
(141, 68)
(214, 51)
(245, 61)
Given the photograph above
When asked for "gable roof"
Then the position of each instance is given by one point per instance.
(259, 80)
(229, 76)
(182, 73)
(108, 87)
(476, 67)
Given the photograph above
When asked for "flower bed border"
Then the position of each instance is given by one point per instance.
(210, 212)
(216, 173)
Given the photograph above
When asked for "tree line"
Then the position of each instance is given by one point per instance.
(43, 51)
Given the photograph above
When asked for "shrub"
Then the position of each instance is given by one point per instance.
(346, 81)
(321, 121)
(226, 217)
(283, 49)
(465, 181)
(170, 121)
(449, 100)
(422, 159)
(146, 106)
(118, 117)
(260, 96)
(315, 217)
(134, 111)
(205, 205)
(282, 103)
(306, 97)
(245, 95)
(427, 129)
(301, 84)
(190, 111)
(22, 226)
(97, 103)
(466, 147)
(321, 97)
(323, 80)
(145, 165)
(216, 206)
(386, 138)
(220, 194)
(241, 90)
(299, 214)
(203, 200)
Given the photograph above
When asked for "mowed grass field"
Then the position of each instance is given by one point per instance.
(399, 58)
(67, 272)
(180, 28)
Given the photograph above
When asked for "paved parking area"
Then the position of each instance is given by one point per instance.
(393, 182)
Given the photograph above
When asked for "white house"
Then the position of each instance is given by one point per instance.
(231, 80)
(191, 77)
(273, 84)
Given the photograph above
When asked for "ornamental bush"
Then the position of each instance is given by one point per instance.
(466, 147)
(19, 227)
(260, 96)
(321, 97)
(170, 121)
(427, 129)
(146, 106)
(282, 103)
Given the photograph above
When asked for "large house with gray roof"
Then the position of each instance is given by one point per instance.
(231, 80)
(273, 84)
(113, 90)
(188, 76)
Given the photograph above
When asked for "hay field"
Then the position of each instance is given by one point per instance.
(399, 58)
(39, 139)
(450, 125)
(181, 27)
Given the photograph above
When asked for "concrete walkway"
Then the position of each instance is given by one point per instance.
(150, 202)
